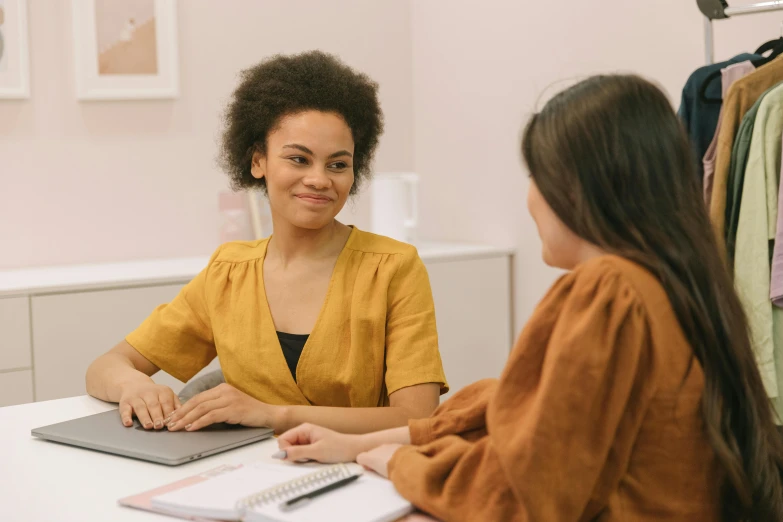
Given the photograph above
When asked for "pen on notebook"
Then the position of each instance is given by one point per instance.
(301, 500)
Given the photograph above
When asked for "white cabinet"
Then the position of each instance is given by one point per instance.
(16, 383)
(16, 388)
(78, 313)
(472, 309)
(70, 330)
(14, 333)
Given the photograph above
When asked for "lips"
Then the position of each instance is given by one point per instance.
(314, 198)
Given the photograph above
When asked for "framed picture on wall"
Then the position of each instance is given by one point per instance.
(125, 49)
(14, 51)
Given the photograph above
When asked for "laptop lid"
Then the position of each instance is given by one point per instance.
(105, 432)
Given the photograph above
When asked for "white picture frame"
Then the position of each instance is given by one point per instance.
(15, 53)
(96, 65)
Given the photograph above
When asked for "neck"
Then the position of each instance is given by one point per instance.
(588, 251)
(289, 242)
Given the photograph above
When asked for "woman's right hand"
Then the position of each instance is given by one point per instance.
(310, 442)
(151, 403)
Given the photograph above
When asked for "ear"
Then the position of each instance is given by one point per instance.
(258, 165)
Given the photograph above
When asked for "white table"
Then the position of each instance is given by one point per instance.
(46, 481)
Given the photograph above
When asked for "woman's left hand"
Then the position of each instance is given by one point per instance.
(378, 458)
(223, 403)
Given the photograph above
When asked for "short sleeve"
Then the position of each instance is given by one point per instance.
(412, 355)
(177, 337)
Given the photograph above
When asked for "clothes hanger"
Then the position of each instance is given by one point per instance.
(771, 45)
(776, 48)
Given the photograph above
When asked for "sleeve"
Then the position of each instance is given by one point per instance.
(464, 414)
(412, 355)
(752, 254)
(560, 426)
(177, 337)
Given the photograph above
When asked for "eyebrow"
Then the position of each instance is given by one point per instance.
(308, 151)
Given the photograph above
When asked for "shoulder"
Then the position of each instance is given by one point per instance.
(225, 259)
(622, 281)
(769, 106)
(612, 267)
(739, 92)
(609, 275)
(239, 251)
(370, 243)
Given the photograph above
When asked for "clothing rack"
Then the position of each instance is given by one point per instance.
(719, 9)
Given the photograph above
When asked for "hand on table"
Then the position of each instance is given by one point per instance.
(223, 403)
(310, 442)
(378, 459)
(151, 403)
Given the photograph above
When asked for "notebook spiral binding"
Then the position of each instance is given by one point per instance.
(295, 487)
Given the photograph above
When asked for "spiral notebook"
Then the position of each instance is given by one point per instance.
(255, 492)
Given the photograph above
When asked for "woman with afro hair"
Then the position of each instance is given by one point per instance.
(319, 323)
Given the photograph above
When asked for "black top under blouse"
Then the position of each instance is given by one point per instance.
(292, 345)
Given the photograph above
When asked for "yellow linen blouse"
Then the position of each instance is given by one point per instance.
(374, 335)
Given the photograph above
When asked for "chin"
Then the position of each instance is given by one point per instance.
(312, 223)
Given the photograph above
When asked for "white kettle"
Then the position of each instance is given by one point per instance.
(395, 211)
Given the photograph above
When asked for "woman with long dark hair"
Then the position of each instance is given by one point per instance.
(633, 392)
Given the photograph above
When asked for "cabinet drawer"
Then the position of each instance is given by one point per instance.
(71, 330)
(16, 388)
(15, 328)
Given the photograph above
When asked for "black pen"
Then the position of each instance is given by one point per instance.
(301, 500)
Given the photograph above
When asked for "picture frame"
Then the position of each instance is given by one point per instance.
(125, 50)
(14, 50)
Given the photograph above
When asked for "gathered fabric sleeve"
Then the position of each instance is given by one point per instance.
(177, 336)
(412, 354)
(561, 422)
(464, 414)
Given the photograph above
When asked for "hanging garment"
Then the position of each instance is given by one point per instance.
(736, 181)
(741, 97)
(699, 117)
(756, 228)
(729, 75)
(776, 281)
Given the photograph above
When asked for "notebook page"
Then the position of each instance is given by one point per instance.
(217, 497)
(368, 499)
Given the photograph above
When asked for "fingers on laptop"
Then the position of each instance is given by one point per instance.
(126, 413)
(153, 409)
(169, 403)
(141, 411)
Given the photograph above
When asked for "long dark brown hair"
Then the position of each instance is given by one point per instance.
(613, 162)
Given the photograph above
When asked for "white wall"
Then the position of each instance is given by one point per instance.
(105, 181)
(479, 70)
(109, 181)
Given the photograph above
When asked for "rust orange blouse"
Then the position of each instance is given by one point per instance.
(595, 417)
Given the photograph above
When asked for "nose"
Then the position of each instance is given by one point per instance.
(317, 179)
